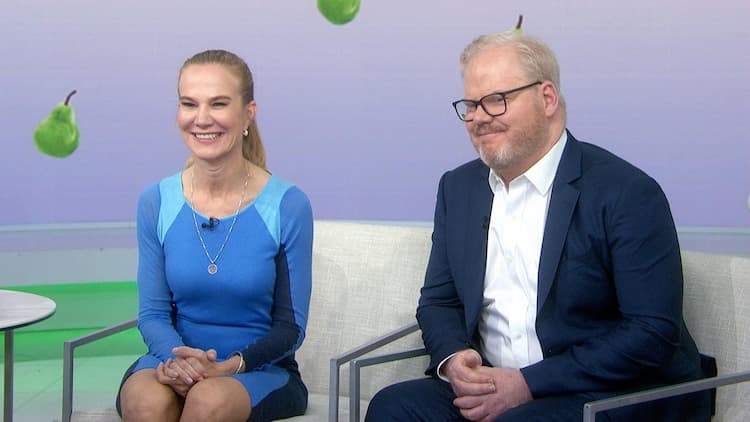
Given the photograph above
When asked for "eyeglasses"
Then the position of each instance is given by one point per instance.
(494, 104)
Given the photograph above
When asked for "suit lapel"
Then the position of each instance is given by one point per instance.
(475, 254)
(562, 203)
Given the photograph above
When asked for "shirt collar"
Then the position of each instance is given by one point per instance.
(542, 173)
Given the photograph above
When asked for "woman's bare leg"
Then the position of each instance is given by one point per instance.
(143, 398)
(217, 399)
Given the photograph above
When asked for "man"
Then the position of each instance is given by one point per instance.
(555, 276)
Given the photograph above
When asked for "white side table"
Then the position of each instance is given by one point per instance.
(18, 309)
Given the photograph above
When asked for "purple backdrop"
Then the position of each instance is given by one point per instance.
(359, 115)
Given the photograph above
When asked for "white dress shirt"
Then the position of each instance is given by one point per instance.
(514, 244)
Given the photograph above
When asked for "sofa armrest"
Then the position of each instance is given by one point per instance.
(68, 349)
(338, 360)
(590, 409)
(354, 371)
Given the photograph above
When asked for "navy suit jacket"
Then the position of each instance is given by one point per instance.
(609, 302)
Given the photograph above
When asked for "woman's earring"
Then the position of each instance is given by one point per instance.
(245, 132)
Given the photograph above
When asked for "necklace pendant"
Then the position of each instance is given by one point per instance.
(212, 268)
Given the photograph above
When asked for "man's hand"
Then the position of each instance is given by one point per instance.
(463, 371)
(510, 391)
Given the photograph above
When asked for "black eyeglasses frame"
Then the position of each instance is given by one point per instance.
(479, 103)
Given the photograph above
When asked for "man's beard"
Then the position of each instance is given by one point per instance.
(520, 145)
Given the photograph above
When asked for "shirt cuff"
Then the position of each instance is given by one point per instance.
(440, 368)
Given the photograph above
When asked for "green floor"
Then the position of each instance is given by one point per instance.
(81, 309)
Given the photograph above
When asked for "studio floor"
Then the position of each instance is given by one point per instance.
(38, 386)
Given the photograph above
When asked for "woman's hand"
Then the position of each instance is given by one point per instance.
(192, 365)
(171, 377)
(199, 364)
(182, 372)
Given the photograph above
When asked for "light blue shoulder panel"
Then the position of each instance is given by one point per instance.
(172, 201)
(268, 205)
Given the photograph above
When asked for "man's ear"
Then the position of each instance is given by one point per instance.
(551, 98)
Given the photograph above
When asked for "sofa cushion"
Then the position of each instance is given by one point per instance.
(366, 281)
(717, 314)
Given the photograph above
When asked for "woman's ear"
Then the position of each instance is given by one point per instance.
(250, 109)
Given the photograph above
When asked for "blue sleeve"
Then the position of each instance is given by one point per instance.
(293, 284)
(154, 297)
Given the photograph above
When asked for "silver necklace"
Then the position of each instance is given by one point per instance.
(212, 267)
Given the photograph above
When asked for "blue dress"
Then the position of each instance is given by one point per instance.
(256, 303)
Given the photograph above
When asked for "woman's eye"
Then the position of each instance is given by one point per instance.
(187, 104)
(219, 104)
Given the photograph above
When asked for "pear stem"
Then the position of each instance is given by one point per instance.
(67, 99)
(520, 21)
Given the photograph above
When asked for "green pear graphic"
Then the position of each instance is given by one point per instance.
(517, 28)
(57, 135)
(339, 12)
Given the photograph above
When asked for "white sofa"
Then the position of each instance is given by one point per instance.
(366, 280)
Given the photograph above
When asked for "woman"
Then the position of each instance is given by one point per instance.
(224, 269)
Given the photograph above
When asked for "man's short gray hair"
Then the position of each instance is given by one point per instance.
(538, 61)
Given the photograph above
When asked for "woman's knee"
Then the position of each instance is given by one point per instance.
(221, 398)
(203, 401)
(144, 399)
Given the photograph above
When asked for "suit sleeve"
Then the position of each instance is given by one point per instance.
(440, 312)
(293, 285)
(641, 271)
